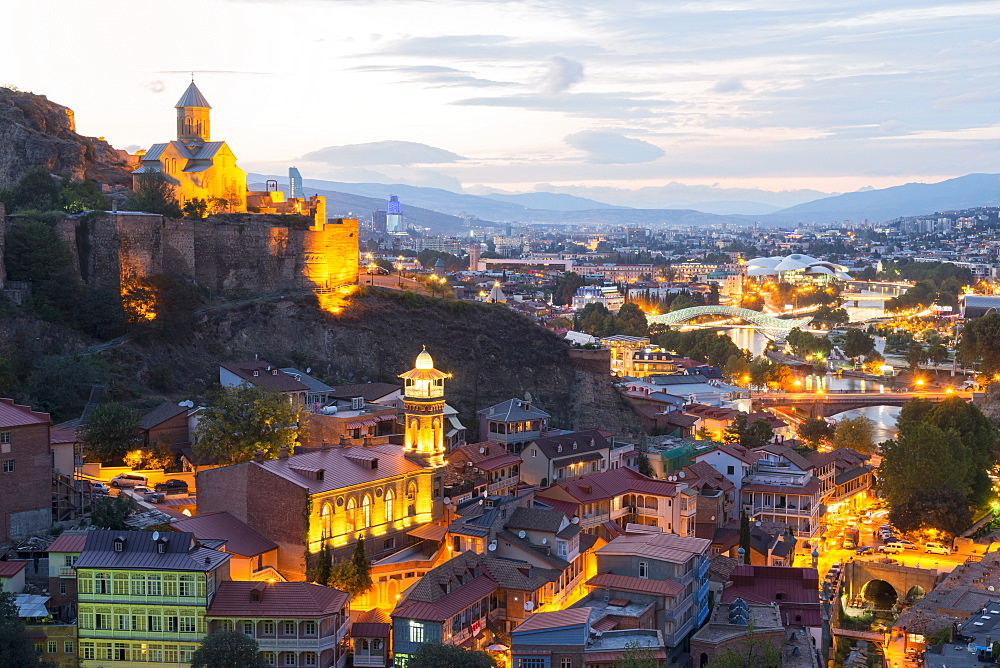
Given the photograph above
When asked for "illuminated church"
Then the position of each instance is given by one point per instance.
(196, 166)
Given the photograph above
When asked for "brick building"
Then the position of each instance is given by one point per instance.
(25, 471)
(63, 553)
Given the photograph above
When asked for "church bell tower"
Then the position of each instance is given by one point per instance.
(193, 123)
(423, 411)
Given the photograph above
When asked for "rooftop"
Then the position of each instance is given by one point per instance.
(139, 552)
(15, 415)
(513, 410)
(264, 375)
(239, 538)
(276, 599)
(341, 467)
(665, 546)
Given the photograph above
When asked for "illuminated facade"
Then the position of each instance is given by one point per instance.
(196, 166)
(423, 412)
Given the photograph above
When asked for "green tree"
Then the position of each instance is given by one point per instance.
(228, 649)
(241, 420)
(100, 314)
(937, 353)
(565, 287)
(35, 253)
(804, 343)
(981, 342)
(16, 647)
(736, 369)
(175, 299)
(642, 463)
(36, 190)
(813, 431)
(858, 343)
(109, 512)
(109, 431)
(595, 319)
(978, 436)
(915, 355)
(323, 566)
(945, 510)
(353, 575)
(923, 459)
(750, 435)
(637, 655)
(856, 433)
(80, 196)
(631, 321)
(436, 655)
(195, 208)
(745, 536)
(61, 385)
(681, 301)
(154, 194)
(754, 652)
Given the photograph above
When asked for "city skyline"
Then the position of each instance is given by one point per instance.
(583, 98)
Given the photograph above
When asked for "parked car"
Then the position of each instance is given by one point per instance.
(905, 544)
(936, 548)
(129, 480)
(891, 548)
(864, 549)
(172, 486)
(99, 488)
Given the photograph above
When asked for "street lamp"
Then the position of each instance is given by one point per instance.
(399, 268)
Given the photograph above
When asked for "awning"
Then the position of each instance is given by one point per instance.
(429, 532)
(357, 424)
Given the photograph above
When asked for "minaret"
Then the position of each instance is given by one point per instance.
(423, 411)
(193, 126)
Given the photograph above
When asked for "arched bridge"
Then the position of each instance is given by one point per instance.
(832, 402)
(902, 579)
(767, 324)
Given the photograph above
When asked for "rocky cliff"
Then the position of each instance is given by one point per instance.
(37, 131)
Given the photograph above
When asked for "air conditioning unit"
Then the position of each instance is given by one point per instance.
(357, 403)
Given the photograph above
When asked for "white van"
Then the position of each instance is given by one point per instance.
(129, 480)
(936, 548)
(891, 548)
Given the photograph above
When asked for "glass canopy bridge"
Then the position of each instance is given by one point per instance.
(771, 327)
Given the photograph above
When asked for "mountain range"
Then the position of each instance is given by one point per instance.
(446, 212)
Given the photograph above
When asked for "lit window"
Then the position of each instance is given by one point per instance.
(324, 515)
(390, 510)
(366, 511)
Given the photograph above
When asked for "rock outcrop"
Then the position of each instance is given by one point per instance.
(37, 131)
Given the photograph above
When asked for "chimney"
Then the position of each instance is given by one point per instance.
(375, 463)
(283, 452)
(343, 440)
(324, 446)
(258, 455)
(368, 440)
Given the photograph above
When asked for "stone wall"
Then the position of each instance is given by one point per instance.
(229, 259)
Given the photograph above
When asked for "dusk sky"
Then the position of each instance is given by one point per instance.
(577, 96)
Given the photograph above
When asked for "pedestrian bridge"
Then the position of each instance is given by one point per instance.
(905, 581)
(831, 402)
(767, 324)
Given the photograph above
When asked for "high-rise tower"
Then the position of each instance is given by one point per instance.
(423, 412)
(193, 122)
(394, 216)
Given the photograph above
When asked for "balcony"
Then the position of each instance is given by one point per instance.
(503, 483)
(781, 510)
(369, 660)
(67, 572)
(312, 644)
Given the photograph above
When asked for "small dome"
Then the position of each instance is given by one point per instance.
(424, 361)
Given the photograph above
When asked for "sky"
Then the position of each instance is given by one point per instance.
(613, 99)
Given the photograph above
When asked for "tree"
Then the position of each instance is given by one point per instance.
(241, 420)
(111, 512)
(804, 343)
(109, 431)
(631, 321)
(16, 648)
(978, 436)
(937, 353)
(36, 253)
(736, 369)
(228, 649)
(37, 190)
(323, 566)
(175, 299)
(153, 194)
(923, 459)
(436, 655)
(750, 435)
(755, 652)
(642, 462)
(815, 430)
(354, 575)
(981, 342)
(857, 344)
(915, 354)
(566, 286)
(855, 433)
(945, 510)
(637, 655)
(745, 536)
(195, 208)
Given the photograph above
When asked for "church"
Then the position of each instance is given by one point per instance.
(196, 166)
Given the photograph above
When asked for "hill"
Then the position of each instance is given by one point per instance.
(36, 131)
(912, 199)
(553, 201)
(375, 338)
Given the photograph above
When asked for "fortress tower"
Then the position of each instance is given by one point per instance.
(423, 410)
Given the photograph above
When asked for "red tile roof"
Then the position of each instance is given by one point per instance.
(641, 585)
(452, 603)
(9, 569)
(614, 482)
(68, 544)
(342, 467)
(16, 415)
(798, 589)
(63, 436)
(268, 376)
(277, 599)
(553, 619)
(374, 623)
(493, 456)
(240, 538)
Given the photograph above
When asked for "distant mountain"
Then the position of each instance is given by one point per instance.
(553, 201)
(912, 199)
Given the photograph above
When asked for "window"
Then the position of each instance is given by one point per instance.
(171, 624)
(289, 659)
(643, 569)
(309, 628)
(62, 587)
(288, 628)
(268, 658)
(138, 585)
(4, 437)
(268, 628)
(186, 587)
(389, 543)
(87, 649)
(530, 662)
(248, 629)
(730, 470)
(8, 466)
(390, 510)
(226, 625)
(68, 560)
(437, 487)
(565, 662)
(309, 659)
(122, 622)
(352, 510)
(68, 647)
(153, 585)
(53, 647)
(366, 512)
(155, 623)
(324, 518)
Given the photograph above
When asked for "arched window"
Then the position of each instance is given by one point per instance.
(411, 499)
(366, 512)
(352, 510)
(390, 510)
(324, 518)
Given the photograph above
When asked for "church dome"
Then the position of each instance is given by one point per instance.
(424, 361)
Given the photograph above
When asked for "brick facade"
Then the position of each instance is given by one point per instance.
(25, 475)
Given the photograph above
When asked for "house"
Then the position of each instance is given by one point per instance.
(777, 489)
(662, 577)
(729, 627)
(387, 394)
(692, 389)
(485, 468)
(12, 576)
(295, 624)
(263, 375)
(63, 553)
(55, 641)
(560, 456)
(370, 636)
(604, 504)
(341, 493)
(731, 460)
(794, 590)
(318, 393)
(254, 557)
(513, 423)
(351, 422)
(575, 638)
(167, 423)
(26, 482)
(143, 597)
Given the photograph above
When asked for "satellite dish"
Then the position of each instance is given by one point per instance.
(447, 500)
(576, 520)
(482, 451)
(713, 518)
(529, 606)
(309, 369)
(680, 474)
(156, 535)
(492, 547)
(521, 534)
(757, 522)
(545, 541)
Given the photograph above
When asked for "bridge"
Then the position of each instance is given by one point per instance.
(906, 581)
(831, 402)
(774, 328)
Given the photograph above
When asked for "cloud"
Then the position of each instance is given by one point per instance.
(731, 85)
(588, 105)
(388, 152)
(606, 147)
(562, 73)
(438, 76)
(155, 86)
